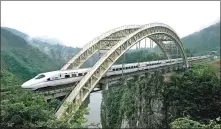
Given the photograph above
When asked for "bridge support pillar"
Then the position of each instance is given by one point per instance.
(105, 86)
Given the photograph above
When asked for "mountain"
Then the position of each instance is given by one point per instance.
(16, 32)
(22, 59)
(54, 51)
(46, 39)
(204, 41)
(52, 47)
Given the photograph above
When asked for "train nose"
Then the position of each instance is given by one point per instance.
(29, 84)
(25, 85)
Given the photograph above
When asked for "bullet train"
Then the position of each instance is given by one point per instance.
(62, 77)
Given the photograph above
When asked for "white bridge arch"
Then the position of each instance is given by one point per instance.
(117, 42)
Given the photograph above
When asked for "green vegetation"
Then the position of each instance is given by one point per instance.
(194, 93)
(133, 101)
(139, 56)
(204, 41)
(111, 116)
(9, 79)
(54, 51)
(23, 60)
(25, 109)
(190, 124)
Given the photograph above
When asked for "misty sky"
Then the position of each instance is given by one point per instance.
(76, 23)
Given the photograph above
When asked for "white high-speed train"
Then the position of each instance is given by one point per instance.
(62, 77)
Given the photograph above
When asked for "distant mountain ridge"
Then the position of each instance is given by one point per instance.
(54, 51)
(52, 47)
(16, 32)
(22, 59)
(204, 41)
(46, 39)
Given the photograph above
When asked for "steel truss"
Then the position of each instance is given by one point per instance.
(117, 42)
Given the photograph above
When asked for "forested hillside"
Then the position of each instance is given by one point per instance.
(54, 51)
(207, 39)
(21, 59)
(139, 56)
(20, 108)
(51, 47)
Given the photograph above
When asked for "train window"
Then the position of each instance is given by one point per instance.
(73, 75)
(116, 69)
(40, 76)
(79, 74)
(48, 79)
(67, 76)
(120, 68)
(85, 73)
(113, 69)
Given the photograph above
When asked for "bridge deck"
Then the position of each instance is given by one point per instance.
(62, 90)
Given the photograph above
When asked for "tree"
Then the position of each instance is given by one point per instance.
(21, 109)
(191, 124)
(195, 93)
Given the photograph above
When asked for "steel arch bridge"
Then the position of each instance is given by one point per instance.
(116, 42)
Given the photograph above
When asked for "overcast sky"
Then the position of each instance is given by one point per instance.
(75, 23)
